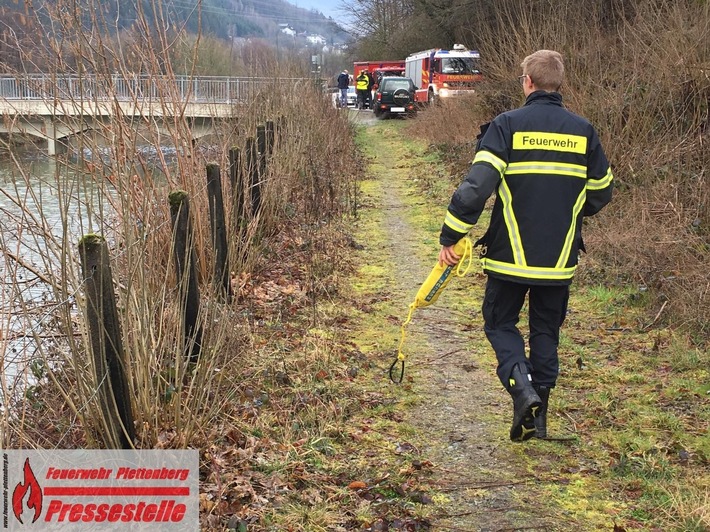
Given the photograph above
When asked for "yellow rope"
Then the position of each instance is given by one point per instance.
(467, 256)
(400, 355)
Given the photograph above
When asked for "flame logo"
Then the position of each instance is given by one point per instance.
(34, 501)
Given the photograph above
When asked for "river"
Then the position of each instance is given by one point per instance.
(45, 207)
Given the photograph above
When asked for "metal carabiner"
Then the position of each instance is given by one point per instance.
(401, 373)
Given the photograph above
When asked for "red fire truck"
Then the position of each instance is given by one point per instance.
(439, 73)
(377, 69)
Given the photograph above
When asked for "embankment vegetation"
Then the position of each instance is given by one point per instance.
(639, 71)
(114, 181)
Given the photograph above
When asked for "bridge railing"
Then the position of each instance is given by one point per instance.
(207, 89)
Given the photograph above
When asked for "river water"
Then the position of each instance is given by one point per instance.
(45, 207)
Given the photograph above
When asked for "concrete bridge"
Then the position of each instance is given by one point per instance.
(54, 108)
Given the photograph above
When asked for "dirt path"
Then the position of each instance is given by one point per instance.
(461, 413)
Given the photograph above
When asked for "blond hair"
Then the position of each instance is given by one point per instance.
(546, 69)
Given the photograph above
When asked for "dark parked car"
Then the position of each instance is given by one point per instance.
(394, 96)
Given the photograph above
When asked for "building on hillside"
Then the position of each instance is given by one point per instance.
(314, 38)
(287, 29)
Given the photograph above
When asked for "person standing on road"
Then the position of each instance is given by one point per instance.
(343, 83)
(548, 170)
(361, 84)
(370, 85)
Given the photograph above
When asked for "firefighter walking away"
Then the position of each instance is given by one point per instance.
(549, 171)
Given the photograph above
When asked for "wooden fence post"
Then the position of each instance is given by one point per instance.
(270, 137)
(253, 169)
(219, 232)
(261, 141)
(106, 345)
(183, 247)
(238, 180)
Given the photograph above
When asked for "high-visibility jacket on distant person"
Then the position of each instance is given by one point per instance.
(548, 170)
(362, 82)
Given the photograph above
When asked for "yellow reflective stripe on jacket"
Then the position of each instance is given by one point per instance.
(488, 157)
(529, 272)
(535, 167)
(511, 223)
(599, 184)
(456, 224)
(569, 238)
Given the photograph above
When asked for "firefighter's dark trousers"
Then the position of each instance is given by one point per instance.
(501, 313)
(361, 98)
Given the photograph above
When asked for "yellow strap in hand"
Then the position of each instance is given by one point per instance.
(431, 289)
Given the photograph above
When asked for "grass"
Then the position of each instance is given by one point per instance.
(620, 400)
(336, 434)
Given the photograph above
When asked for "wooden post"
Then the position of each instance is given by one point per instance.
(261, 141)
(270, 137)
(237, 179)
(219, 233)
(235, 159)
(253, 169)
(106, 345)
(240, 197)
(183, 247)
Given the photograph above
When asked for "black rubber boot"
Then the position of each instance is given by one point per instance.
(526, 404)
(541, 420)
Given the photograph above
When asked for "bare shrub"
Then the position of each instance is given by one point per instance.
(118, 185)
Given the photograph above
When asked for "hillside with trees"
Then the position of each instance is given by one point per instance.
(224, 20)
(221, 18)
